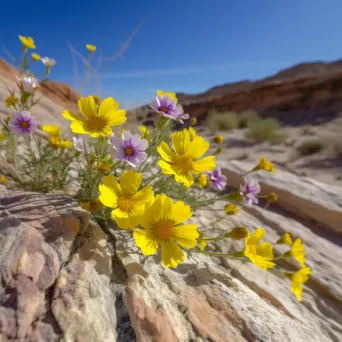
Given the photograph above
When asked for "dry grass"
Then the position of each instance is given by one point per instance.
(222, 121)
(310, 147)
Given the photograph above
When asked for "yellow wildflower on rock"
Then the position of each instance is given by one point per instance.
(298, 279)
(96, 121)
(231, 209)
(66, 144)
(218, 139)
(202, 180)
(103, 167)
(55, 141)
(35, 57)
(3, 180)
(265, 165)
(53, 130)
(28, 42)
(193, 121)
(297, 251)
(11, 101)
(183, 162)
(162, 223)
(202, 244)
(259, 254)
(91, 48)
(127, 201)
(94, 206)
(285, 239)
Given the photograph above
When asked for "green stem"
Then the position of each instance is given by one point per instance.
(229, 256)
(152, 178)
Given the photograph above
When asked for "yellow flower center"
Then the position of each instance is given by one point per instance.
(126, 203)
(97, 123)
(128, 151)
(184, 163)
(164, 110)
(163, 229)
(251, 249)
(24, 124)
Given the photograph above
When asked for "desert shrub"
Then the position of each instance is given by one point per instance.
(223, 121)
(310, 147)
(246, 117)
(261, 130)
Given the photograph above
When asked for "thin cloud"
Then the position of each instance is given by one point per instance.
(189, 70)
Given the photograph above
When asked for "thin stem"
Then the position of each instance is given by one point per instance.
(152, 178)
(229, 256)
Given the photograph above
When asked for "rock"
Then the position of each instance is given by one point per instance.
(63, 279)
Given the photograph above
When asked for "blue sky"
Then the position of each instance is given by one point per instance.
(184, 45)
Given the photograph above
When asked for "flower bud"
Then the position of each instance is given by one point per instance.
(285, 239)
(231, 209)
(219, 150)
(218, 139)
(202, 180)
(193, 121)
(272, 197)
(237, 233)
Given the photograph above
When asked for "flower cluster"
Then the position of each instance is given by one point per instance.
(148, 182)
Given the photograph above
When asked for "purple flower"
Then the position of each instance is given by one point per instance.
(217, 180)
(78, 144)
(130, 148)
(250, 190)
(22, 123)
(28, 83)
(168, 107)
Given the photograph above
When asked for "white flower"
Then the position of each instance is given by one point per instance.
(28, 83)
(78, 144)
(48, 62)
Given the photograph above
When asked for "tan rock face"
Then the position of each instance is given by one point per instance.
(62, 279)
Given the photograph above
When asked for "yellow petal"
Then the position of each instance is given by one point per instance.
(78, 127)
(166, 206)
(144, 195)
(180, 212)
(111, 182)
(204, 164)
(118, 118)
(126, 223)
(297, 251)
(149, 217)
(197, 147)
(297, 289)
(255, 237)
(72, 116)
(181, 141)
(187, 179)
(130, 182)
(87, 106)
(172, 255)
(186, 235)
(146, 241)
(108, 107)
(165, 151)
(107, 196)
(105, 132)
(166, 168)
(265, 250)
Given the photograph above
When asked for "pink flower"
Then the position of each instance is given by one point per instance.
(78, 144)
(217, 180)
(250, 190)
(131, 148)
(22, 123)
(28, 83)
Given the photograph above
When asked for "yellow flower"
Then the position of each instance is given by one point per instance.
(66, 143)
(103, 167)
(170, 95)
(272, 197)
(35, 56)
(202, 180)
(298, 279)
(91, 48)
(259, 254)
(218, 139)
(53, 130)
(231, 209)
(219, 150)
(27, 42)
(285, 239)
(192, 132)
(94, 206)
(128, 203)
(265, 165)
(3, 180)
(193, 121)
(297, 251)
(96, 121)
(11, 101)
(97, 99)
(162, 228)
(2, 136)
(55, 142)
(183, 162)
(203, 244)
(145, 133)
